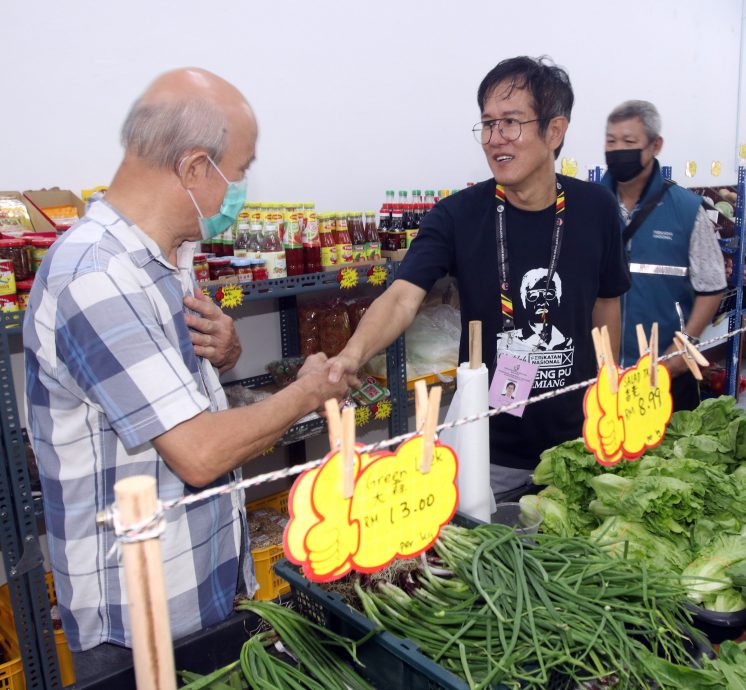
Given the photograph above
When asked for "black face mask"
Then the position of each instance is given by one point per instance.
(624, 164)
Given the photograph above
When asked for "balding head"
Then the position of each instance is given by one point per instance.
(184, 111)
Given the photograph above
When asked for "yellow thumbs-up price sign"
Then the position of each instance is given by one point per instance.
(631, 421)
(395, 511)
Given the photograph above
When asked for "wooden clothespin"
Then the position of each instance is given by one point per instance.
(654, 355)
(650, 348)
(420, 404)
(475, 344)
(642, 341)
(428, 429)
(333, 424)
(348, 451)
(692, 356)
(605, 356)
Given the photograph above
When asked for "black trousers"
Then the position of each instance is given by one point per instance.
(685, 392)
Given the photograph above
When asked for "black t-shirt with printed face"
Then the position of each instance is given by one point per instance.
(552, 326)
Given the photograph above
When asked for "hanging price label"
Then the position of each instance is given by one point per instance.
(395, 511)
(629, 422)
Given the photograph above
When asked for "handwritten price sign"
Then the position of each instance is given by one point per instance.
(627, 423)
(395, 511)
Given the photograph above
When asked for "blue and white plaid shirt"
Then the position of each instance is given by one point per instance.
(109, 366)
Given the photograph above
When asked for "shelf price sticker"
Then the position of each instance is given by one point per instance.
(633, 420)
(395, 511)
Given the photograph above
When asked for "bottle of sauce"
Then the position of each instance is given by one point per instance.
(384, 222)
(273, 252)
(342, 239)
(357, 235)
(310, 239)
(372, 241)
(397, 234)
(241, 243)
(327, 243)
(429, 199)
(254, 241)
(293, 241)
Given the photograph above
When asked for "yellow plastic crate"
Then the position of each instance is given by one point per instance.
(11, 672)
(271, 586)
(7, 629)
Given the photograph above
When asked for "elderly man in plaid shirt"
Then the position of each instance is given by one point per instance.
(122, 361)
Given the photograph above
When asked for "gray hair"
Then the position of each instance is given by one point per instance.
(645, 110)
(163, 133)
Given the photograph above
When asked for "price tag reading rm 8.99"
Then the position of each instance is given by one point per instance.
(627, 423)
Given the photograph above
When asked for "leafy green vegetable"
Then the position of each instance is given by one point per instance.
(554, 514)
(707, 574)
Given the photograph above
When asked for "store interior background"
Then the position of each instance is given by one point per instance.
(356, 98)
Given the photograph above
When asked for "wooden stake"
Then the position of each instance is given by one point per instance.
(348, 451)
(152, 648)
(475, 344)
(428, 430)
(333, 424)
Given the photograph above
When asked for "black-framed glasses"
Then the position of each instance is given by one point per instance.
(509, 128)
(536, 293)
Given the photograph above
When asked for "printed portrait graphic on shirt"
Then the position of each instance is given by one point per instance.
(537, 337)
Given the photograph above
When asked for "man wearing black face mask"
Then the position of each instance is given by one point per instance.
(671, 245)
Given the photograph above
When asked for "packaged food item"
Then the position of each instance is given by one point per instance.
(372, 241)
(356, 308)
(39, 248)
(311, 240)
(328, 245)
(357, 235)
(9, 302)
(342, 239)
(14, 215)
(220, 267)
(369, 393)
(62, 217)
(7, 278)
(285, 371)
(15, 250)
(308, 328)
(201, 268)
(243, 269)
(334, 328)
(273, 251)
(259, 269)
(23, 289)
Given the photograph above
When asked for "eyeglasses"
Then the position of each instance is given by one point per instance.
(509, 128)
(534, 295)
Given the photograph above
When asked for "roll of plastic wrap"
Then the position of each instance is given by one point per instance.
(471, 442)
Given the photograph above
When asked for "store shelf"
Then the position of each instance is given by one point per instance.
(294, 285)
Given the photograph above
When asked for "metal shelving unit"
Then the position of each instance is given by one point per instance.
(19, 536)
(19, 510)
(735, 318)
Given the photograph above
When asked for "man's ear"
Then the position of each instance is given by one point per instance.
(192, 168)
(556, 130)
(657, 145)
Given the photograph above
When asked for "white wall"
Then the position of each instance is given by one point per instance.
(353, 98)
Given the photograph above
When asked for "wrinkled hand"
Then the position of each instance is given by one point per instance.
(315, 374)
(213, 332)
(344, 366)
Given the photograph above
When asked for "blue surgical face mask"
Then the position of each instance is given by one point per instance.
(233, 201)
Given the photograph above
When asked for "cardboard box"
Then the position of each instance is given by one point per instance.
(45, 198)
(38, 219)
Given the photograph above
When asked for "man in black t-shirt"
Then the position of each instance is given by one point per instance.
(538, 259)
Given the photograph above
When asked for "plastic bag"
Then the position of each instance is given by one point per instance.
(432, 343)
(334, 328)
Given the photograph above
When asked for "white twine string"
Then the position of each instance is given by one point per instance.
(148, 528)
(141, 531)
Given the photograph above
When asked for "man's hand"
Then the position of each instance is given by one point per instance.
(213, 332)
(314, 374)
(344, 366)
(676, 366)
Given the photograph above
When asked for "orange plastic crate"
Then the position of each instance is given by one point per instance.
(11, 672)
(271, 586)
(7, 629)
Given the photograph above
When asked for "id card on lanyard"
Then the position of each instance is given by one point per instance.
(514, 377)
